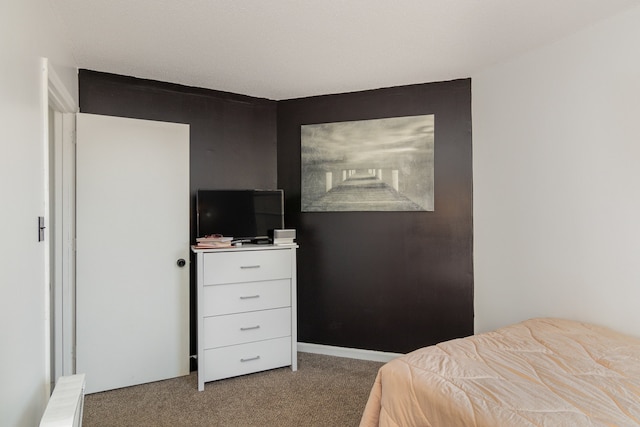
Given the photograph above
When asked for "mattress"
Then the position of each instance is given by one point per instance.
(541, 372)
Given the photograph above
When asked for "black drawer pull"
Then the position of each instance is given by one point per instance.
(250, 296)
(245, 267)
(250, 359)
(249, 328)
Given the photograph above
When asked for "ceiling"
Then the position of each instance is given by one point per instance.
(283, 49)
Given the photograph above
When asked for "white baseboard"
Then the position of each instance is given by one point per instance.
(351, 353)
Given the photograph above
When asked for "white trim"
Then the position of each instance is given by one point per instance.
(48, 351)
(67, 200)
(59, 97)
(64, 107)
(54, 221)
(351, 353)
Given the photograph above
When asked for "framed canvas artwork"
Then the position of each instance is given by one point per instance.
(368, 165)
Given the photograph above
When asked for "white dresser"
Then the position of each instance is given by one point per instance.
(246, 310)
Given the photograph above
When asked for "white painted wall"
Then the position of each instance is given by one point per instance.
(556, 146)
(28, 31)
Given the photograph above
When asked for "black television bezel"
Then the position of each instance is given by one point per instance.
(236, 192)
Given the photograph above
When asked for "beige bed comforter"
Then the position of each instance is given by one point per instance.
(541, 372)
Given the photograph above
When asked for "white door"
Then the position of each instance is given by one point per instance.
(132, 301)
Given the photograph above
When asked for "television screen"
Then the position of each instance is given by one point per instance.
(241, 214)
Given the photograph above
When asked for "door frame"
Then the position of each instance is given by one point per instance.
(59, 120)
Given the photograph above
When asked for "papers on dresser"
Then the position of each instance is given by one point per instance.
(213, 241)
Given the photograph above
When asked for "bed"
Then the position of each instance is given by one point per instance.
(541, 372)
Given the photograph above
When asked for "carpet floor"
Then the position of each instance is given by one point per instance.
(325, 391)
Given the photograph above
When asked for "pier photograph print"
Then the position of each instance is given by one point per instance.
(368, 165)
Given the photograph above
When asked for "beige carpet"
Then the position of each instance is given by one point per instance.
(325, 391)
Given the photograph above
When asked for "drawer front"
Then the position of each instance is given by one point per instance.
(241, 297)
(248, 266)
(243, 359)
(220, 331)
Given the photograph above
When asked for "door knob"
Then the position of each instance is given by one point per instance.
(181, 262)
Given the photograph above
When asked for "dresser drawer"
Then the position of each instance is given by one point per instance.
(247, 266)
(220, 331)
(241, 297)
(243, 359)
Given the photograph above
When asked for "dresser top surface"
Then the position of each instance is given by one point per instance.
(244, 247)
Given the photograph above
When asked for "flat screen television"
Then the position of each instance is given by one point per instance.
(245, 215)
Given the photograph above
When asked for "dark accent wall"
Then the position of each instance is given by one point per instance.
(387, 281)
(232, 137)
